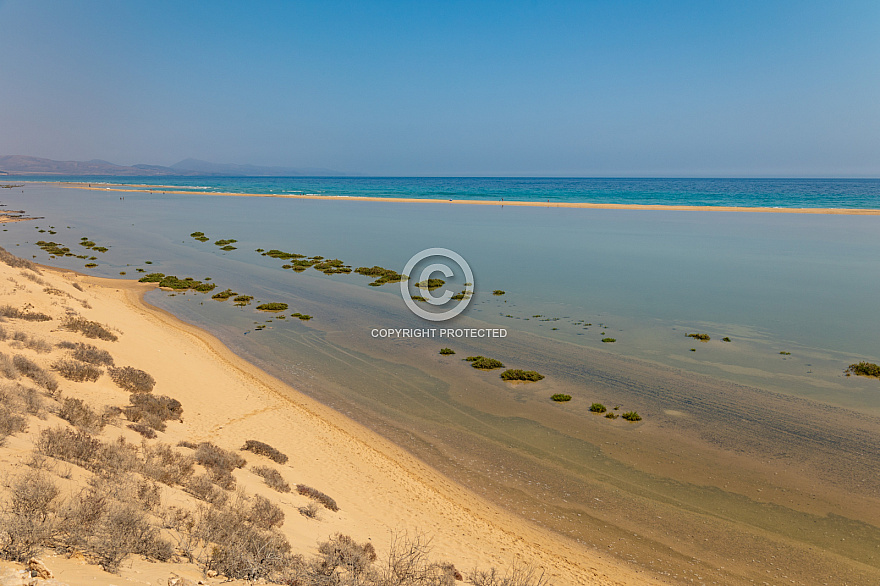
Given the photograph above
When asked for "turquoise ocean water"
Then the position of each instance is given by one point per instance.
(806, 193)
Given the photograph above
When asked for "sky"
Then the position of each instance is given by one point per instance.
(479, 88)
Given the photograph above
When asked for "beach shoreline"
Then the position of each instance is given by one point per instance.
(382, 489)
(483, 202)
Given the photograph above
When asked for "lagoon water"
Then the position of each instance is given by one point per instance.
(804, 284)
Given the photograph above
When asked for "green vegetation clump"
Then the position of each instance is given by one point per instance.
(152, 278)
(784, 353)
(725, 339)
(381, 275)
(483, 363)
(264, 449)
(225, 242)
(331, 267)
(632, 416)
(100, 248)
(228, 247)
(272, 307)
(609, 340)
(864, 369)
(275, 253)
(498, 292)
(446, 351)
(700, 337)
(431, 284)
(524, 375)
(223, 295)
(301, 316)
(611, 415)
(91, 265)
(200, 236)
(560, 398)
(243, 300)
(418, 298)
(598, 408)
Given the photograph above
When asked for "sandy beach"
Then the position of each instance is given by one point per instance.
(601, 206)
(381, 490)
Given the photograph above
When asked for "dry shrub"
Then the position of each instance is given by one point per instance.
(77, 371)
(10, 421)
(310, 511)
(32, 277)
(240, 547)
(220, 463)
(187, 444)
(7, 367)
(344, 561)
(28, 523)
(15, 262)
(30, 369)
(81, 416)
(145, 430)
(264, 449)
(203, 488)
(88, 353)
(22, 339)
(124, 530)
(153, 410)
(272, 477)
(165, 465)
(25, 314)
(80, 448)
(317, 495)
(89, 329)
(515, 575)
(132, 379)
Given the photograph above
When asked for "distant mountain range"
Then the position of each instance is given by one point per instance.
(23, 165)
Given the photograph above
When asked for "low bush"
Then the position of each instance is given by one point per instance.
(165, 465)
(264, 449)
(88, 353)
(561, 398)
(203, 488)
(10, 421)
(34, 372)
(700, 337)
(632, 416)
(89, 329)
(242, 300)
(152, 278)
(26, 314)
(7, 367)
(38, 345)
(81, 416)
(152, 410)
(273, 478)
(132, 379)
(272, 307)
(725, 339)
(224, 295)
(524, 375)
(483, 363)
(317, 495)
(143, 429)
(28, 524)
(220, 463)
(77, 371)
(498, 292)
(301, 316)
(10, 259)
(609, 340)
(446, 351)
(598, 408)
(381, 275)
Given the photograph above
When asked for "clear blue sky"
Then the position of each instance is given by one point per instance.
(610, 88)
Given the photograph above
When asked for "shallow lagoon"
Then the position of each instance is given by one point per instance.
(801, 284)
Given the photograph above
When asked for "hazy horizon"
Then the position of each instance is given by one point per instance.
(488, 89)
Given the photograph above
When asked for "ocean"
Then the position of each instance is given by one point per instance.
(796, 295)
(770, 193)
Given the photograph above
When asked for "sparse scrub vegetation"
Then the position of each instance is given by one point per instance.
(523, 375)
(10, 259)
(89, 329)
(132, 379)
(7, 367)
(25, 314)
(224, 295)
(77, 371)
(598, 408)
(273, 478)
(152, 410)
(446, 351)
(272, 307)
(27, 524)
(88, 353)
(23, 340)
(381, 275)
(609, 340)
(561, 398)
(33, 371)
(220, 463)
(700, 337)
(632, 416)
(317, 495)
(264, 449)
(143, 429)
(81, 416)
